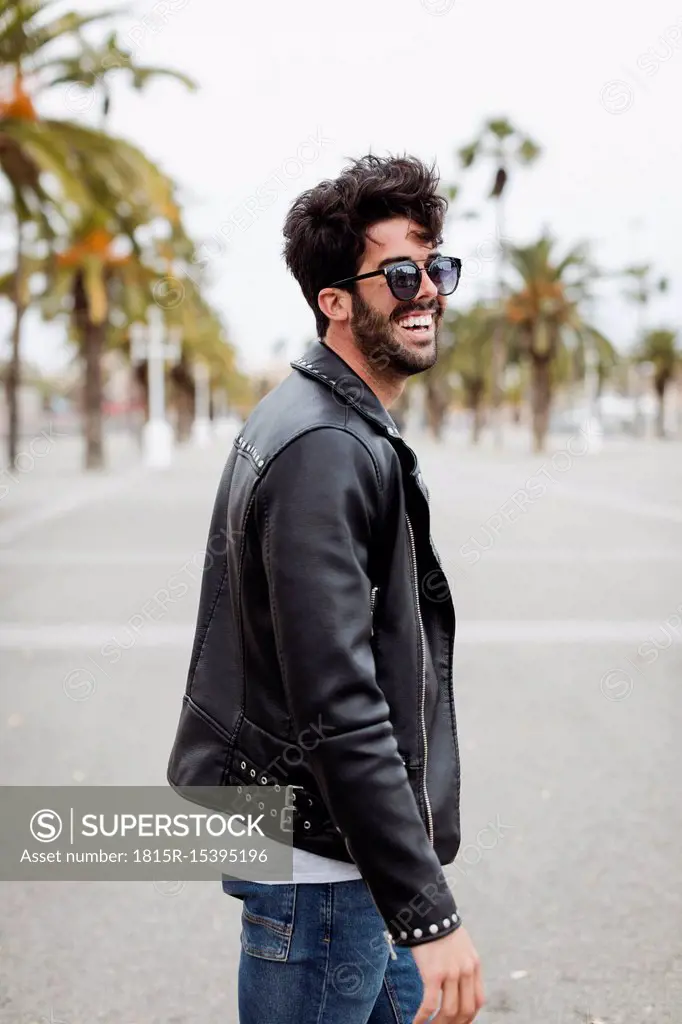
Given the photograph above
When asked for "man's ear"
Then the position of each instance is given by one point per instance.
(335, 304)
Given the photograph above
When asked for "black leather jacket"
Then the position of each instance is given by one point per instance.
(324, 643)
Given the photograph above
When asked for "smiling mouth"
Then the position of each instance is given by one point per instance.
(417, 323)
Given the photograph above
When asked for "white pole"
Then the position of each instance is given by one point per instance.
(592, 425)
(148, 343)
(156, 370)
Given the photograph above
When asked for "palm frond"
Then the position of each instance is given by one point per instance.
(528, 151)
(142, 74)
(23, 34)
(468, 154)
(499, 127)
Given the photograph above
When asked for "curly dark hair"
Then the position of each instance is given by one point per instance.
(325, 228)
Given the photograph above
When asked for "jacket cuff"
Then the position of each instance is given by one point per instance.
(422, 920)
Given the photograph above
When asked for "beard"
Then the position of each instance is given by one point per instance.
(376, 336)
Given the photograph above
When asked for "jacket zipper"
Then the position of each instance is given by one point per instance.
(422, 691)
(372, 602)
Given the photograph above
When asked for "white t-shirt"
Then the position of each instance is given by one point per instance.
(310, 867)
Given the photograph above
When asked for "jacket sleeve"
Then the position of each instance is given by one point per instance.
(318, 508)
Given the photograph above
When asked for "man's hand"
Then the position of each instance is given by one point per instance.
(451, 972)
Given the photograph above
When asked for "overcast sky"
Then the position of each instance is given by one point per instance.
(290, 91)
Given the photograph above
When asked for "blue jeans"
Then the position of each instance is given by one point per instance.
(317, 954)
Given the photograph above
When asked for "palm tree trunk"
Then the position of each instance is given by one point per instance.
(140, 398)
(660, 385)
(93, 340)
(92, 337)
(185, 408)
(436, 408)
(477, 424)
(498, 344)
(13, 380)
(183, 399)
(541, 395)
(476, 406)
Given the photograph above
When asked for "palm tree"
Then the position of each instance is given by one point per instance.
(659, 348)
(204, 341)
(437, 392)
(642, 285)
(118, 190)
(102, 278)
(93, 67)
(57, 165)
(23, 34)
(542, 312)
(503, 145)
(437, 398)
(35, 198)
(83, 274)
(200, 327)
(466, 355)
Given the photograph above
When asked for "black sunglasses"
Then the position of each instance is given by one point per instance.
(405, 277)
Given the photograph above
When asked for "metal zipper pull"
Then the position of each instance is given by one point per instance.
(391, 945)
(372, 602)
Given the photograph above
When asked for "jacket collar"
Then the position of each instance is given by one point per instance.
(322, 363)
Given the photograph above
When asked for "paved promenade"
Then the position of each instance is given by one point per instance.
(567, 575)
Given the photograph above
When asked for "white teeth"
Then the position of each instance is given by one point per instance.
(417, 321)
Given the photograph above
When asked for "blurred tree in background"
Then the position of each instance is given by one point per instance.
(501, 144)
(99, 234)
(659, 349)
(543, 309)
(98, 239)
(467, 358)
(642, 284)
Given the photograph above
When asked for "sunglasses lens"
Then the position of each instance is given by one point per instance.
(404, 280)
(444, 272)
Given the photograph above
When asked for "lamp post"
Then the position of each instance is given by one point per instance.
(592, 426)
(151, 342)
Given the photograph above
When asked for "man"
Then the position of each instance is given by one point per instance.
(329, 618)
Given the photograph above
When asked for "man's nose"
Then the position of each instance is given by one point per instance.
(427, 289)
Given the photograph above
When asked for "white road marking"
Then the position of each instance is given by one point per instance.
(69, 636)
(127, 557)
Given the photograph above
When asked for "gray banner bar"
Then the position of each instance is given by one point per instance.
(140, 833)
